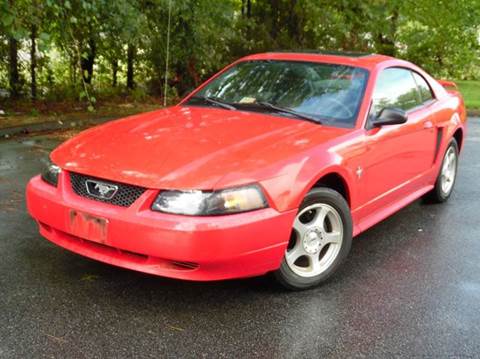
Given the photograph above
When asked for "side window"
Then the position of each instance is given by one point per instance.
(423, 88)
(395, 88)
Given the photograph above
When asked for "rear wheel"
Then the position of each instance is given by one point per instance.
(321, 239)
(447, 176)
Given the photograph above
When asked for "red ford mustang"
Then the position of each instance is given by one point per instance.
(272, 165)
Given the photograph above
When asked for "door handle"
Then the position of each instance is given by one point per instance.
(428, 125)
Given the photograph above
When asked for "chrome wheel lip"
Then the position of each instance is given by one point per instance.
(449, 171)
(312, 237)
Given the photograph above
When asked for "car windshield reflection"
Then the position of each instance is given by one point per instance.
(330, 93)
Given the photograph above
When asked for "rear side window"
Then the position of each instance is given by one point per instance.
(395, 88)
(423, 87)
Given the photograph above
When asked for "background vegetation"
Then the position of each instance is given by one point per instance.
(87, 51)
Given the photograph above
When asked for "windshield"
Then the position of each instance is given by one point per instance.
(327, 92)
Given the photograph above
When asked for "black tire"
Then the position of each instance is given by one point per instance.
(437, 194)
(291, 280)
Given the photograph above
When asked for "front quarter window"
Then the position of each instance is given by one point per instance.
(330, 93)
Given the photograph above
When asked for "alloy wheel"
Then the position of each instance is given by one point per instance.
(316, 240)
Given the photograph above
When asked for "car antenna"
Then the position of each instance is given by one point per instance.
(168, 53)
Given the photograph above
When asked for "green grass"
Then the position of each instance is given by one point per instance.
(471, 93)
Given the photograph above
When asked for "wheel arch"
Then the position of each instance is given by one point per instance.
(333, 179)
(458, 136)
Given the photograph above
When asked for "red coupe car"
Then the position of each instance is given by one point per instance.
(272, 165)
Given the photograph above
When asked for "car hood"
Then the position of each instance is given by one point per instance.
(190, 147)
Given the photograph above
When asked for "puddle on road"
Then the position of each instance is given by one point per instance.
(28, 142)
(5, 166)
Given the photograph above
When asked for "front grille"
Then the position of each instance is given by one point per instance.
(124, 197)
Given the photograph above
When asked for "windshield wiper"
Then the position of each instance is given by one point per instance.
(217, 101)
(289, 111)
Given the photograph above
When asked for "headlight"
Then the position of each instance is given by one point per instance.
(50, 173)
(203, 203)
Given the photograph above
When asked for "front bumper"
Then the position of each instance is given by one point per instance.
(193, 248)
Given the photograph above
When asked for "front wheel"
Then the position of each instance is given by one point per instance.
(320, 241)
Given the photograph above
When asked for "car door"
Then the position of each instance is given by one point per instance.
(396, 155)
(429, 145)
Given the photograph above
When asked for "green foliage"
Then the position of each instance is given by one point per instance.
(81, 45)
(138, 94)
(442, 36)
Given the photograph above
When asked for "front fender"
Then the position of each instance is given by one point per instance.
(289, 189)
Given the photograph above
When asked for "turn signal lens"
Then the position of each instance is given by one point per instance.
(50, 173)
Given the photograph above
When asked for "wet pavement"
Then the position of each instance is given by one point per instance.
(410, 288)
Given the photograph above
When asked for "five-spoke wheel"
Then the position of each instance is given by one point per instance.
(318, 235)
(320, 240)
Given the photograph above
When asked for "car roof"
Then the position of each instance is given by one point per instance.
(327, 52)
(359, 59)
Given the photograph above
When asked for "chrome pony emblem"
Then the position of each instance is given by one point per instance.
(101, 190)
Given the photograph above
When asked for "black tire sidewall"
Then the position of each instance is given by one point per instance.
(293, 281)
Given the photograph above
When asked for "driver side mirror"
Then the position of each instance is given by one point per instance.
(390, 116)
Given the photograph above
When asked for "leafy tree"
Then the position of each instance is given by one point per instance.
(199, 43)
(442, 36)
(86, 48)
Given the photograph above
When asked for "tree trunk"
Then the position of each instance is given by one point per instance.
(275, 8)
(295, 22)
(130, 63)
(114, 72)
(393, 30)
(14, 77)
(33, 62)
(88, 62)
(192, 71)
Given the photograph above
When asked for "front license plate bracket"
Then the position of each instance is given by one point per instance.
(87, 226)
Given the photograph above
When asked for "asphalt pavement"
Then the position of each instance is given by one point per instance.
(410, 288)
